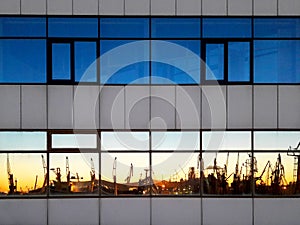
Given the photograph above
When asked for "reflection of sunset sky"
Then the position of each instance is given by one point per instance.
(26, 166)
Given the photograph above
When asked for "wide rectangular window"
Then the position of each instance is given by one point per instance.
(277, 28)
(124, 28)
(19, 141)
(22, 61)
(124, 62)
(73, 27)
(175, 27)
(175, 62)
(226, 28)
(276, 61)
(74, 141)
(22, 27)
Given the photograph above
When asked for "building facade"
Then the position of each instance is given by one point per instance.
(149, 112)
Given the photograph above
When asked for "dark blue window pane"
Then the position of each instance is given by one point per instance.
(61, 62)
(175, 27)
(85, 62)
(22, 61)
(214, 62)
(73, 27)
(277, 61)
(226, 27)
(238, 61)
(25, 26)
(175, 62)
(124, 27)
(282, 27)
(124, 62)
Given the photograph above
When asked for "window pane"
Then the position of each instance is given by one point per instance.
(275, 174)
(124, 62)
(73, 27)
(85, 62)
(175, 27)
(125, 174)
(74, 173)
(124, 27)
(222, 178)
(238, 61)
(74, 141)
(22, 61)
(226, 27)
(276, 61)
(227, 140)
(22, 27)
(175, 140)
(176, 173)
(175, 62)
(214, 62)
(124, 141)
(283, 27)
(61, 62)
(264, 140)
(27, 175)
(23, 141)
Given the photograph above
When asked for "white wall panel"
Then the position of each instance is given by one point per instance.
(73, 211)
(137, 107)
(56, 7)
(265, 106)
(265, 7)
(34, 107)
(23, 211)
(163, 7)
(137, 7)
(213, 107)
(111, 7)
(85, 7)
(33, 6)
(86, 107)
(221, 211)
(176, 211)
(112, 107)
(276, 211)
(124, 211)
(10, 7)
(10, 106)
(163, 107)
(239, 106)
(188, 7)
(289, 7)
(188, 107)
(289, 106)
(214, 7)
(60, 107)
(240, 7)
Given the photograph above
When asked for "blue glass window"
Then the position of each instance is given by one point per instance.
(175, 27)
(85, 61)
(277, 61)
(61, 61)
(124, 28)
(281, 28)
(226, 27)
(175, 62)
(239, 61)
(214, 61)
(22, 61)
(124, 62)
(25, 26)
(73, 27)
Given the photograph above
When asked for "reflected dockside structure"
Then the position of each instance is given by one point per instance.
(177, 165)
